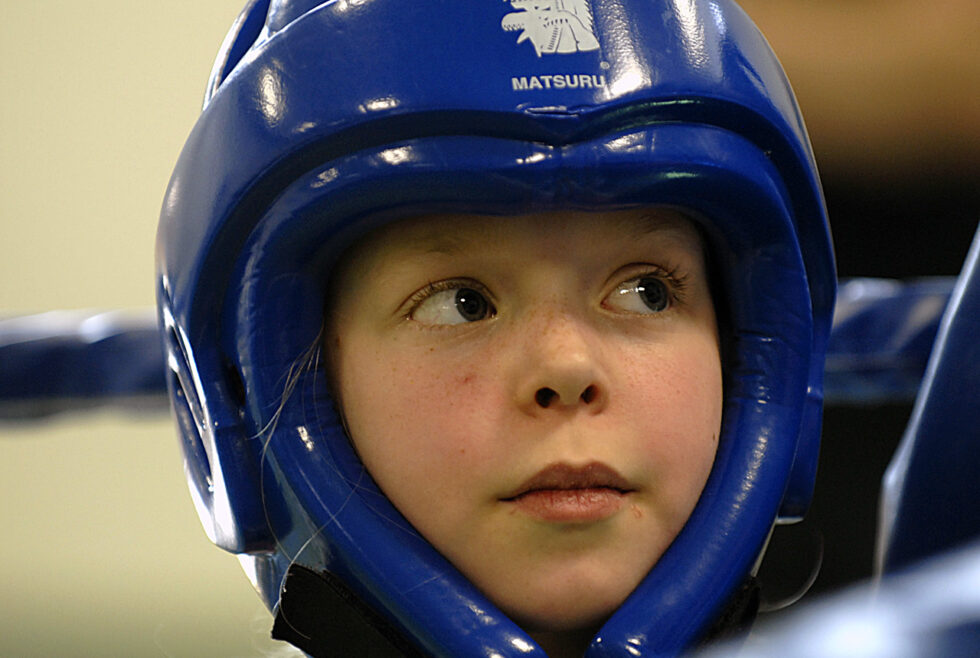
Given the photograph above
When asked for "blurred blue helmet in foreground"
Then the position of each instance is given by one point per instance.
(324, 120)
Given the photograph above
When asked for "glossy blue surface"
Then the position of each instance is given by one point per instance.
(883, 334)
(930, 497)
(68, 360)
(345, 115)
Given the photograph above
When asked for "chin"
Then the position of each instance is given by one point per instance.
(567, 609)
(565, 591)
(565, 628)
(554, 620)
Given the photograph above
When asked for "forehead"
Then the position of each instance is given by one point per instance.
(549, 234)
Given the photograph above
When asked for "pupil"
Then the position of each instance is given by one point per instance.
(653, 292)
(471, 304)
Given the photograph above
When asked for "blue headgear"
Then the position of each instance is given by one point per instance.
(324, 120)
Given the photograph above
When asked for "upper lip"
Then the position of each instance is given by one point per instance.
(562, 476)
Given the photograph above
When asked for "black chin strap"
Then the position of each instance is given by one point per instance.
(320, 615)
(737, 616)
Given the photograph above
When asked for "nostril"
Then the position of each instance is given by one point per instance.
(544, 396)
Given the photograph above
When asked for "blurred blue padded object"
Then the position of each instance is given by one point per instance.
(69, 360)
(929, 611)
(931, 494)
(881, 339)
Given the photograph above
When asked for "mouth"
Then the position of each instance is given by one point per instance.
(562, 493)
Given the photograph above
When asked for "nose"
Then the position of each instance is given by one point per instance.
(560, 368)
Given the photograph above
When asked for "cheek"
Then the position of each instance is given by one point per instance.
(416, 421)
(680, 404)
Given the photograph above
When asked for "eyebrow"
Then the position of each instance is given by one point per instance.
(438, 240)
(439, 244)
(662, 221)
(659, 219)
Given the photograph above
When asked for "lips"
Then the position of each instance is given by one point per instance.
(562, 493)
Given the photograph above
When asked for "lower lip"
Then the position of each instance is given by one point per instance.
(571, 505)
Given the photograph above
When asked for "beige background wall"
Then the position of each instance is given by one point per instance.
(101, 553)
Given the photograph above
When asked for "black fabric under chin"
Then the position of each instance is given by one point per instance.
(320, 615)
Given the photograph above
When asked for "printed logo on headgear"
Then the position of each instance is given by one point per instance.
(553, 26)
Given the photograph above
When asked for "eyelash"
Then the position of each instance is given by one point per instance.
(676, 283)
(434, 287)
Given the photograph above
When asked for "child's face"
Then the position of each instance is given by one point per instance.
(539, 395)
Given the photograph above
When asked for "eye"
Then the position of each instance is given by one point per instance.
(645, 294)
(454, 304)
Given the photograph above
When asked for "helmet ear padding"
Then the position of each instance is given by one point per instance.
(218, 457)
